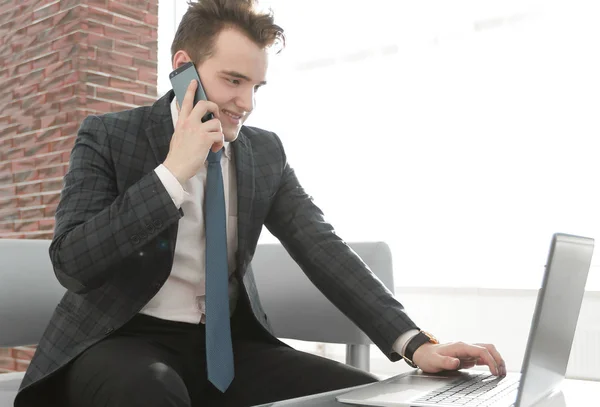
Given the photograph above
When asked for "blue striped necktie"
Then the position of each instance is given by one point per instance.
(219, 352)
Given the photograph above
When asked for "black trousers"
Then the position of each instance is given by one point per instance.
(152, 362)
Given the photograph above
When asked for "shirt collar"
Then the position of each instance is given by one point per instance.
(175, 115)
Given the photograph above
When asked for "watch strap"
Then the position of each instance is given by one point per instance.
(412, 345)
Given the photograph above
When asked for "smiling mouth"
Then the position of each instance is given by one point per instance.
(232, 115)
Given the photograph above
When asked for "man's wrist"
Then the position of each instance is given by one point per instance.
(415, 343)
(173, 170)
(400, 345)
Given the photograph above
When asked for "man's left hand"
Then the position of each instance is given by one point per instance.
(433, 358)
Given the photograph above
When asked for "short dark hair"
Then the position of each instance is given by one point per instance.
(205, 19)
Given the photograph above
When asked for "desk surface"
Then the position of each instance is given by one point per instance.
(573, 393)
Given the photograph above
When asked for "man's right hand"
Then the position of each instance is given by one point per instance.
(192, 138)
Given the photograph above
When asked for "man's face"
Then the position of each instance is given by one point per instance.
(231, 77)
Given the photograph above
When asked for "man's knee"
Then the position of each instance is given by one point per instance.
(157, 385)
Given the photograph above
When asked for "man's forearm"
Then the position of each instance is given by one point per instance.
(84, 250)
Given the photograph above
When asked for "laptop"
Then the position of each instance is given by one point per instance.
(546, 356)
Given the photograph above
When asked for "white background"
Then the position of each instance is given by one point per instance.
(462, 133)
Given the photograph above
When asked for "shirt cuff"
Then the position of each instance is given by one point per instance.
(171, 184)
(400, 344)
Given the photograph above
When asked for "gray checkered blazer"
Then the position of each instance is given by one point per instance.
(113, 205)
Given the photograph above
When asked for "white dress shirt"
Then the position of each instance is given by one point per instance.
(182, 297)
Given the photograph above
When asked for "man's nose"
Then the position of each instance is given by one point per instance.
(246, 101)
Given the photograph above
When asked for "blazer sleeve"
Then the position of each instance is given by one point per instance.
(333, 266)
(96, 227)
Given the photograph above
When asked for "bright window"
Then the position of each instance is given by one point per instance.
(462, 133)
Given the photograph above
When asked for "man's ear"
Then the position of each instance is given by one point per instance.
(181, 57)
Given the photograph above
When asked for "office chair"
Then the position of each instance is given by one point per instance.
(296, 309)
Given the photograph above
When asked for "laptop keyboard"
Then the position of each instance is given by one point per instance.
(480, 390)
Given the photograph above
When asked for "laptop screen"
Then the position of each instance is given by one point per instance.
(555, 318)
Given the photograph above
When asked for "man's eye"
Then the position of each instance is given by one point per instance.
(235, 81)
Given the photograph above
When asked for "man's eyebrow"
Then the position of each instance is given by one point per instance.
(241, 76)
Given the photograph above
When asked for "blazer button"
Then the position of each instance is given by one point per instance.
(135, 239)
(157, 223)
(149, 228)
(143, 235)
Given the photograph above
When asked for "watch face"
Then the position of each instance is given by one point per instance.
(432, 338)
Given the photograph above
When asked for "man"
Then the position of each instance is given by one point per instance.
(155, 231)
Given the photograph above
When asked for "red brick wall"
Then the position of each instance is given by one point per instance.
(15, 359)
(59, 62)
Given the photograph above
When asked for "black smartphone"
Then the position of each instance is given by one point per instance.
(181, 79)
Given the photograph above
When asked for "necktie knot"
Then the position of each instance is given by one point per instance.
(214, 157)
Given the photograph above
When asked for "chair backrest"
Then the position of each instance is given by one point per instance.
(29, 291)
(297, 309)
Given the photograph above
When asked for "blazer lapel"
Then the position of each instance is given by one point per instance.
(159, 132)
(244, 164)
(160, 128)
